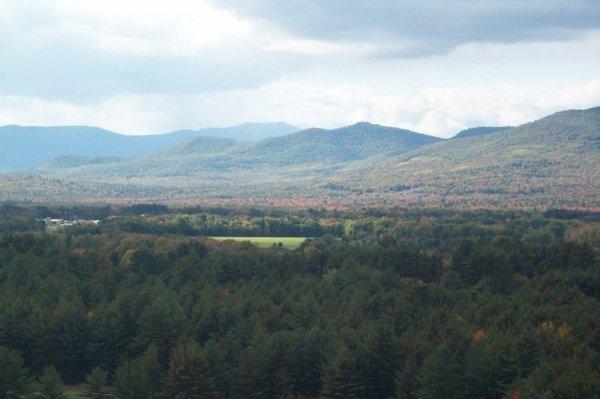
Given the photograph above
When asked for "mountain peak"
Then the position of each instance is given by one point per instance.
(364, 123)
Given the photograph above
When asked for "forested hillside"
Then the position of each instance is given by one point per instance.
(200, 145)
(552, 162)
(398, 304)
(304, 149)
(479, 131)
(345, 144)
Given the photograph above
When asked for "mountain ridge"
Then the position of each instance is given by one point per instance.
(552, 161)
(312, 146)
(27, 147)
(553, 157)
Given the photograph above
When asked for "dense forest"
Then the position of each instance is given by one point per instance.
(376, 303)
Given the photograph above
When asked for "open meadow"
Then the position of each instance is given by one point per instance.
(286, 242)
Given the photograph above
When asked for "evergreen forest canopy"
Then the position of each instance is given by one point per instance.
(377, 303)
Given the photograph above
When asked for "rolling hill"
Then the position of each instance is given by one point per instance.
(345, 144)
(551, 162)
(309, 149)
(27, 147)
(554, 160)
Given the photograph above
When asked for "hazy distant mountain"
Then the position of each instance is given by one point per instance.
(72, 161)
(311, 147)
(479, 131)
(245, 131)
(26, 147)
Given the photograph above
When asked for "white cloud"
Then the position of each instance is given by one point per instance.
(303, 46)
(125, 113)
(435, 111)
(355, 49)
(439, 123)
(142, 27)
(152, 66)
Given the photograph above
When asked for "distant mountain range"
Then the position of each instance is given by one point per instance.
(27, 147)
(554, 161)
(209, 160)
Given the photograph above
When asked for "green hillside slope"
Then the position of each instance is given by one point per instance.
(307, 149)
(553, 160)
(479, 131)
(345, 144)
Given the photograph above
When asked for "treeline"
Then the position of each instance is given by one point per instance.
(425, 228)
(135, 315)
(214, 225)
(104, 211)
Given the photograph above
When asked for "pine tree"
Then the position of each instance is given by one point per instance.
(190, 375)
(95, 384)
(50, 385)
(343, 378)
(13, 374)
(132, 380)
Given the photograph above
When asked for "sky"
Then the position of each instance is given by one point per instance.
(434, 66)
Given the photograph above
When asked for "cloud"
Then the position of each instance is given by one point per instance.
(320, 47)
(70, 50)
(422, 28)
(74, 51)
(437, 111)
(148, 27)
(153, 66)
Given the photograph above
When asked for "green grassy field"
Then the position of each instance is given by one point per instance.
(287, 242)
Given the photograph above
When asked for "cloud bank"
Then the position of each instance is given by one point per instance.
(440, 112)
(425, 27)
(434, 66)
